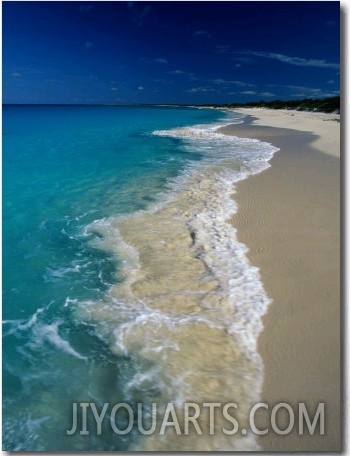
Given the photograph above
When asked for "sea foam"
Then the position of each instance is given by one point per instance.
(188, 308)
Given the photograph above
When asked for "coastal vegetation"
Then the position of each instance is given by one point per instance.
(330, 104)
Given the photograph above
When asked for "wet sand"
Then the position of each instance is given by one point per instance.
(289, 217)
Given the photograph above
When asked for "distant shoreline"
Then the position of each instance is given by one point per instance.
(329, 105)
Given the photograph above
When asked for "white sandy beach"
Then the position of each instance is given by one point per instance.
(289, 217)
(325, 126)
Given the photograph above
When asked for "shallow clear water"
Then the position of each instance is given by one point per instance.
(120, 270)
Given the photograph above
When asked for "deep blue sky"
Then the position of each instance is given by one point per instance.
(169, 52)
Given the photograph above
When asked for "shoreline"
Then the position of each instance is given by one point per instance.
(288, 216)
(190, 304)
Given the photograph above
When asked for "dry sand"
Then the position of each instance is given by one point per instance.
(289, 217)
(325, 127)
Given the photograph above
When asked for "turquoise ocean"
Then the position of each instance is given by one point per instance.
(123, 279)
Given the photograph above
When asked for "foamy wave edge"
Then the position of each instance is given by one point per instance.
(215, 232)
(216, 239)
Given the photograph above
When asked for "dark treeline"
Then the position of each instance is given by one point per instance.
(331, 104)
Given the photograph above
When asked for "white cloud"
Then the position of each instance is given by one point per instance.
(114, 88)
(162, 61)
(177, 72)
(200, 89)
(197, 89)
(88, 44)
(202, 33)
(236, 83)
(298, 61)
(158, 60)
(308, 92)
(267, 94)
(140, 88)
(249, 92)
(15, 74)
(295, 87)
